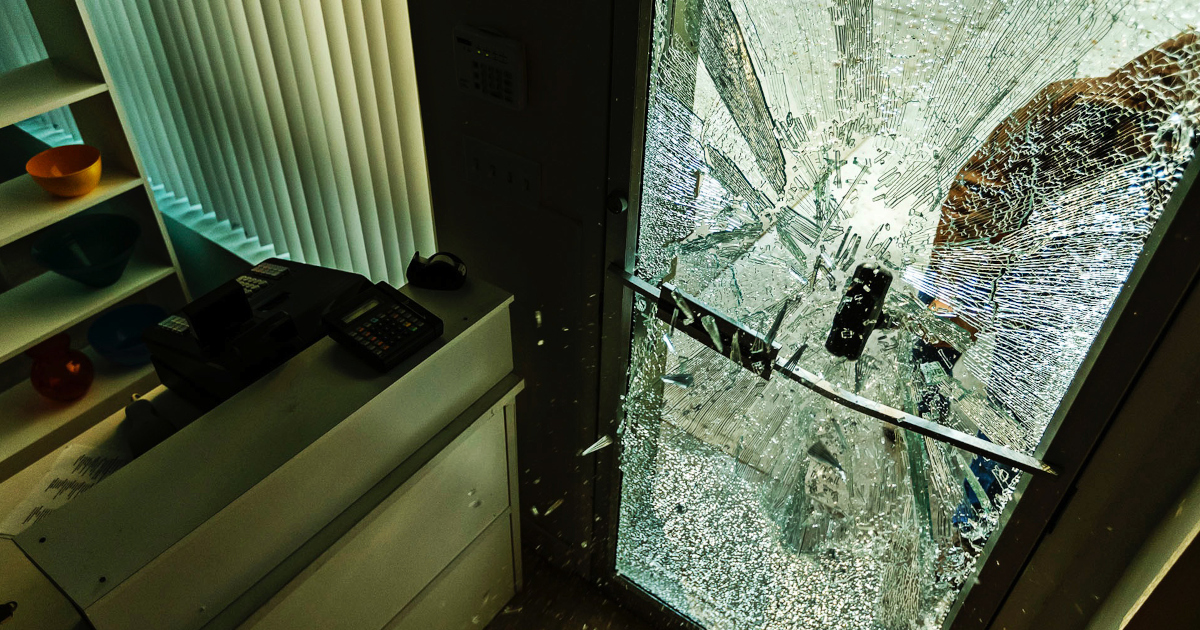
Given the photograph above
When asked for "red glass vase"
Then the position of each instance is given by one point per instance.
(60, 373)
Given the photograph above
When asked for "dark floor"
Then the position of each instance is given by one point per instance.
(553, 600)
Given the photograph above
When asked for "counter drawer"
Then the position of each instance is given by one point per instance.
(471, 591)
(380, 565)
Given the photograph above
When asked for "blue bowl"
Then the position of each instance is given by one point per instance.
(92, 249)
(117, 334)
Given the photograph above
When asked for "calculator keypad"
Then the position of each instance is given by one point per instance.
(385, 328)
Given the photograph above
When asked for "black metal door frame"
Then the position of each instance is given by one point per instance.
(1169, 264)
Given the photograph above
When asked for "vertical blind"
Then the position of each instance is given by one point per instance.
(293, 122)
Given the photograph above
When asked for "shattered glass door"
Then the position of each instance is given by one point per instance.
(928, 206)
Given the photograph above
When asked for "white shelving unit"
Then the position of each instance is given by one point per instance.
(74, 76)
(43, 86)
(50, 304)
(28, 208)
(33, 425)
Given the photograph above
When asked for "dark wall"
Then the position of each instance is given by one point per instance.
(1172, 604)
(549, 253)
(205, 264)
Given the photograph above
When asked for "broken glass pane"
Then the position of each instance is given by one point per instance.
(1005, 162)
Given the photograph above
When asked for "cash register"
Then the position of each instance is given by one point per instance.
(220, 343)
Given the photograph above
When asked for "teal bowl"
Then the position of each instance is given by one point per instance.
(91, 249)
(117, 334)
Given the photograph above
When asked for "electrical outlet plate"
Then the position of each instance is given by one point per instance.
(501, 173)
(490, 66)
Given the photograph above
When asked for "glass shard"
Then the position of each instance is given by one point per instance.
(710, 326)
(680, 380)
(602, 443)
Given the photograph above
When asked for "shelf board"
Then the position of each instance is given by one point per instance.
(32, 426)
(49, 304)
(25, 208)
(40, 87)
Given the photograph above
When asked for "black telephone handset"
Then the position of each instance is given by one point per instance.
(382, 326)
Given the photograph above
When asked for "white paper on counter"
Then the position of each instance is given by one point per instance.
(78, 468)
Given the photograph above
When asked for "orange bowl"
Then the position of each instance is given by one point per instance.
(67, 171)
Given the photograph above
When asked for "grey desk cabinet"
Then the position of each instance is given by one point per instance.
(456, 507)
(325, 495)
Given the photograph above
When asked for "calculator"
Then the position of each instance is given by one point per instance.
(382, 326)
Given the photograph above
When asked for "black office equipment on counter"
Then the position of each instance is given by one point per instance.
(382, 326)
(225, 340)
(442, 271)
